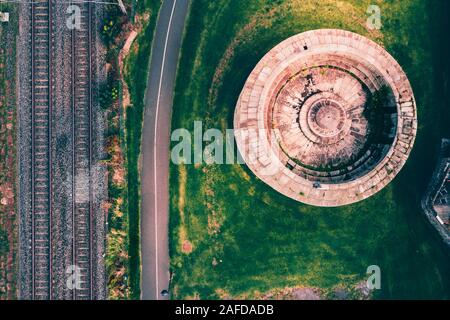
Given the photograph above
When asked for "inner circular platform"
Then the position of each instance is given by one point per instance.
(318, 117)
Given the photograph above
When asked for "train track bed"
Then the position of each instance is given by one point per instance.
(67, 227)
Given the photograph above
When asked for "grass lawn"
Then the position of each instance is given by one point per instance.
(231, 235)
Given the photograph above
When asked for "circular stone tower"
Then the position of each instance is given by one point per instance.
(327, 117)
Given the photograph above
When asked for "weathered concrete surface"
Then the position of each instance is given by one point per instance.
(301, 122)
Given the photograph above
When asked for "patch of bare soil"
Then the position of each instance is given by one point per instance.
(356, 292)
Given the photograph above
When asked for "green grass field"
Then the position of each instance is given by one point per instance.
(231, 235)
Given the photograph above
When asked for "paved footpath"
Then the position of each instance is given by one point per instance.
(155, 149)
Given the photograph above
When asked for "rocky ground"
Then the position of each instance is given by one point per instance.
(62, 154)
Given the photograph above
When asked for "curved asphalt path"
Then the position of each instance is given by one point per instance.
(155, 149)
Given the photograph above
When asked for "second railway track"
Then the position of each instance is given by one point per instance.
(41, 246)
(82, 152)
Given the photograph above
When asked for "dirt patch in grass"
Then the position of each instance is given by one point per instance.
(185, 245)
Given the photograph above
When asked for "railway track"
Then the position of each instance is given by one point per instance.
(41, 186)
(43, 276)
(82, 153)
